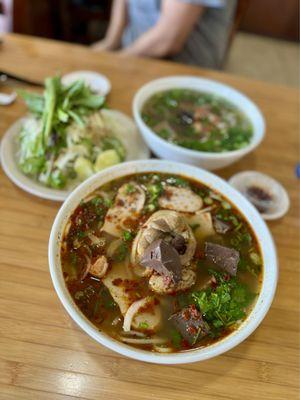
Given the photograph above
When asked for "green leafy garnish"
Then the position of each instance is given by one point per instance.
(97, 201)
(42, 138)
(226, 205)
(255, 258)
(208, 200)
(143, 325)
(241, 238)
(130, 188)
(128, 236)
(81, 234)
(246, 264)
(176, 338)
(34, 102)
(225, 304)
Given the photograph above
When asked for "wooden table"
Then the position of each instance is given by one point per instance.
(44, 355)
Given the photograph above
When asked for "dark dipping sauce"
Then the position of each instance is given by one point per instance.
(260, 198)
(221, 294)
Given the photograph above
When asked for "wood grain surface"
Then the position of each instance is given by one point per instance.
(43, 355)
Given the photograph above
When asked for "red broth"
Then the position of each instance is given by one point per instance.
(218, 300)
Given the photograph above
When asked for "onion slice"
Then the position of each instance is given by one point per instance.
(161, 349)
(87, 267)
(155, 340)
(132, 310)
(96, 240)
(205, 210)
(134, 333)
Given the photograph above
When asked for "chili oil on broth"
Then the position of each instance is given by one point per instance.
(197, 120)
(83, 243)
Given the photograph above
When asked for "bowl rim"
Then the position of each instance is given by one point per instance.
(254, 142)
(270, 274)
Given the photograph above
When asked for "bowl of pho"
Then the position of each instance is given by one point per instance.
(197, 121)
(162, 262)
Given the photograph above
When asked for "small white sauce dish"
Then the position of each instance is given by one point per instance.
(279, 203)
(207, 160)
(259, 227)
(98, 83)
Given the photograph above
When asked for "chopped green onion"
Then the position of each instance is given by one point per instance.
(128, 236)
(207, 200)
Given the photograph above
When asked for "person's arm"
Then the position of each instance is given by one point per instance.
(169, 35)
(117, 24)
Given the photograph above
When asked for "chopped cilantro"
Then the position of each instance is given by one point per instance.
(240, 238)
(255, 258)
(143, 325)
(202, 192)
(165, 133)
(235, 221)
(176, 338)
(107, 202)
(224, 305)
(81, 234)
(208, 200)
(238, 226)
(130, 188)
(96, 201)
(128, 236)
(226, 205)
(248, 265)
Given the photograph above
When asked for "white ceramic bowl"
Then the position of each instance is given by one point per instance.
(261, 231)
(207, 160)
(98, 83)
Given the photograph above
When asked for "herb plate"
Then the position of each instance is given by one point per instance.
(136, 150)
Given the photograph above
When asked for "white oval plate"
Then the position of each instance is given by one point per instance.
(98, 83)
(136, 150)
